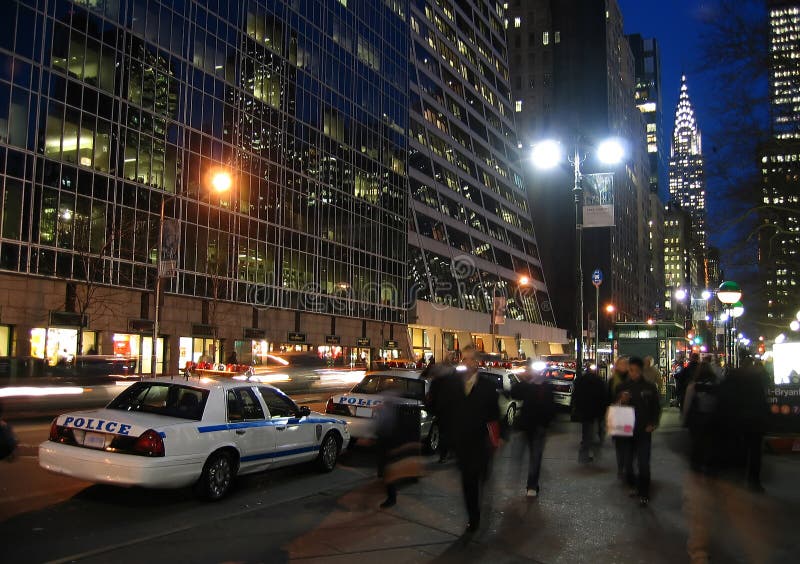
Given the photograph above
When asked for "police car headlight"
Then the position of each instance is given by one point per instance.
(423, 414)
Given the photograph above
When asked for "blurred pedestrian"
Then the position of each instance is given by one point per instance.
(745, 411)
(619, 375)
(397, 431)
(469, 406)
(643, 397)
(589, 403)
(8, 440)
(684, 376)
(701, 415)
(652, 374)
(538, 410)
(443, 378)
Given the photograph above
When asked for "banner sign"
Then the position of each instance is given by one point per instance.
(598, 200)
(784, 408)
(499, 310)
(170, 242)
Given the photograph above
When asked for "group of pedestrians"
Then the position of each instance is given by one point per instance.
(720, 415)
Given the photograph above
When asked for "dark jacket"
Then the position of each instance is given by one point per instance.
(589, 398)
(465, 417)
(538, 407)
(743, 401)
(644, 400)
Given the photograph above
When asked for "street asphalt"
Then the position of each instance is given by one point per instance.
(582, 515)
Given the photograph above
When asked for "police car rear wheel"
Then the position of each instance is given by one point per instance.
(511, 415)
(433, 438)
(218, 474)
(328, 453)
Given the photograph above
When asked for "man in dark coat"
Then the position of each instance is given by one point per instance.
(589, 403)
(468, 406)
(643, 397)
(685, 376)
(444, 380)
(744, 412)
(538, 410)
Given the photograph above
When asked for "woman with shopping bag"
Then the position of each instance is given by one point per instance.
(642, 397)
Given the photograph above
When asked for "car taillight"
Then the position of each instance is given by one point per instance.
(329, 406)
(149, 443)
(54, 434)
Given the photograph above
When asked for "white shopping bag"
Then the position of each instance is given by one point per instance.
(620, 420)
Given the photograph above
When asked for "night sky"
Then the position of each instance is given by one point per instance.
(678, 26)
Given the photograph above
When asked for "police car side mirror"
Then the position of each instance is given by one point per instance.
(304, 411)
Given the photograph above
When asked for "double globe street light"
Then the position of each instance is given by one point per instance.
(548, 154)
(730, 293)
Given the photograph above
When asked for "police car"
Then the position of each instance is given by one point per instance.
(165, 433)
(359, 406)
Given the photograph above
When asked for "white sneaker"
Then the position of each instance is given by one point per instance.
(531, 493)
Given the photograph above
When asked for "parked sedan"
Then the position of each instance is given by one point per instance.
(165, 433)
(503, 380)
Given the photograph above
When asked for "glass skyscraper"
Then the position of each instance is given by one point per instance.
(471, 235)
(109, 107)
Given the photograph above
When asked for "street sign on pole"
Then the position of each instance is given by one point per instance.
(597, 277)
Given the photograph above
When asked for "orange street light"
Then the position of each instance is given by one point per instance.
(610, 308)
(221, 181)
(524, 281)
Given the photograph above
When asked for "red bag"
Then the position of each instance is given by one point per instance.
(494, 434)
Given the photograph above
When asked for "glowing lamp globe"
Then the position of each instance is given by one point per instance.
(729, 293)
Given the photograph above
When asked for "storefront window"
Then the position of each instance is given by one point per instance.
(255, 352)
(5, 340)
(59, 345)
(198, 349)
(140, 347)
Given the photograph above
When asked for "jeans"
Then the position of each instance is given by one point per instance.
(536, 440)
(621, 447)
(639, 448)
(588, 428)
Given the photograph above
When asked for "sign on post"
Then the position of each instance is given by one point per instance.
(598, 200)
(597, 277)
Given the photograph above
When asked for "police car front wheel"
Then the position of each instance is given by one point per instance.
(218, 475)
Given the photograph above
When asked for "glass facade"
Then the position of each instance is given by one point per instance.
(471, 235)
(108, 107)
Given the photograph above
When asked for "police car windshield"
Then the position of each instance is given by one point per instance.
(404, 387)
(172, 400)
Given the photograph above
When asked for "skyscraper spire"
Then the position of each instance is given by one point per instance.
(687, 185)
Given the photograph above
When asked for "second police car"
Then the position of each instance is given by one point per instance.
(359, 406)
(165, 433)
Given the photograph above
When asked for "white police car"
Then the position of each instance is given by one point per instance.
(359, 406)
(165, 433)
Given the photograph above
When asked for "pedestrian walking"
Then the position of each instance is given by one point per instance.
(469, 406)
(538, 410)
(398, 429)
(684, 376)
(652, 374)
(8, 440)
(589, 403)
(745, 411)
(443, 378)
(701, 416)
(643, 397)
(619, 375)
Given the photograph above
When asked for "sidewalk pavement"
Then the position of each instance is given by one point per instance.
(582, 515)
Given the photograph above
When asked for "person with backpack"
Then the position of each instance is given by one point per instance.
(538, 410)
(701, 416)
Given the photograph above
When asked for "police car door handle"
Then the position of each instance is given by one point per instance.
(240, 431)
(283, 428)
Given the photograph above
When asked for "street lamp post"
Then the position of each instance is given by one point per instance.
(546, 155)
(729, 294)
(221, 181)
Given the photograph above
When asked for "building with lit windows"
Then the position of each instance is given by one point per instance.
(680, 260)
(687, 184)
(779, 215)
(109, 108)
(573, 79)
(471, 235)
